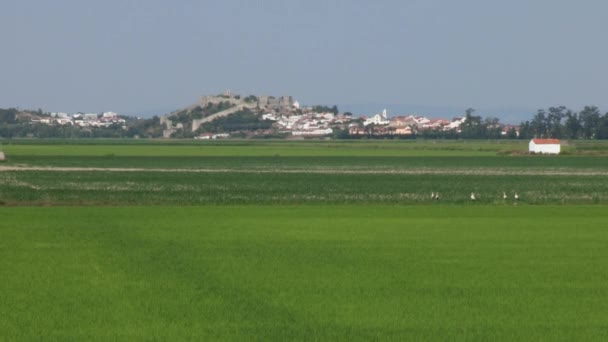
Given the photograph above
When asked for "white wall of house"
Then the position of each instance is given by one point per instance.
(544, 148)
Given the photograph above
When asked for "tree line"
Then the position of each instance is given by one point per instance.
(554, 122)
(564, 123)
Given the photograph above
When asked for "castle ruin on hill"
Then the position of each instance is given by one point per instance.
(262, 102)
(265, 103)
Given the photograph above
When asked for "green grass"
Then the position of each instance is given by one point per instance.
(236, 184)
(304, 273)
(377, 148)
(213, 150)
(175, 188)
(296, 155)
(192, 148)
(316, 163)
(286, 246)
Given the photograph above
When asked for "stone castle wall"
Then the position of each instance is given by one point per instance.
(263, 101)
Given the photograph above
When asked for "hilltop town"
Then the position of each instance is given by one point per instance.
(229, 115)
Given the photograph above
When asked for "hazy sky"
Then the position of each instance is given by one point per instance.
(150, 55)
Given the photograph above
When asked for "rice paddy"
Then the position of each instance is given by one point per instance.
(304, 273)
(319, 241)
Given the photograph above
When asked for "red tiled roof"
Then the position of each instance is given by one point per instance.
(546, 141)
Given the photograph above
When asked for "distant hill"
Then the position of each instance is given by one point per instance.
(225, 113)
(14, 115)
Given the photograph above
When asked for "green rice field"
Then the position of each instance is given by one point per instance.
(305, 241)
(304, 273)
(309, 172)
(219, 188)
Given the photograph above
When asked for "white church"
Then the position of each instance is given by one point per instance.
(378, 119)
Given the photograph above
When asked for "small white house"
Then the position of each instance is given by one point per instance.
(545, 146)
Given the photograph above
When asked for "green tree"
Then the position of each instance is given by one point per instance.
(251, 99)
(243, 120)
(554, 121)
(572, 126)
(8, 116)
(512, 133)
(325, 109)
(538, 125)
(602, 131)
(472, 127)
(525, 130)
(335, 110)
(491, 128)
(590, 121)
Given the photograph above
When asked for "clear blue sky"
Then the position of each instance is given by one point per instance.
(150, 56)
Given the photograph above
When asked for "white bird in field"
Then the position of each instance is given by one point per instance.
(504, 195)
(437, 196)
(516, 196)
(472, 196)
(432, 195)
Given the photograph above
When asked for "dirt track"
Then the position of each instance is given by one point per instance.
(472, 172)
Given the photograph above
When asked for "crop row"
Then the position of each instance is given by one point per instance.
(112, 188)
(316, 163)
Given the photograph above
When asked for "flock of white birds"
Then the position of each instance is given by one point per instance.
(435, 196)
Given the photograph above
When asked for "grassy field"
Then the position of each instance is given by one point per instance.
(302, 241)
(284, 172)
(297, 155)
(310, 273)
(277, 148)
(313, 162)
(194, 188)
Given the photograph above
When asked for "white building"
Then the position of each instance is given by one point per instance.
(211, 136)
(109, 115)
(455, 124)
(90, 117)
(60, 115)
(270, 117)
(378, 119)
(545, 146)
(318, 131)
